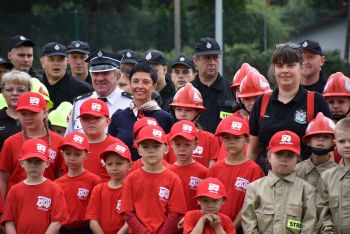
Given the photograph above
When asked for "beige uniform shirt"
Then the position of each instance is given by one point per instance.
(312, 173)
(279, 205)
(333, 201)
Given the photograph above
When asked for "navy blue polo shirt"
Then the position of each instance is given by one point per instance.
(279, 116)
(217, 98)
(318, 86)
(8, 126)
(122, 125)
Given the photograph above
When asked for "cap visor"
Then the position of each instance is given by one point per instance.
(232, 132)
(208, 52)
(96, 114)
(211, 195)
(78, 50)
(102, 68)
(30, 108)
(150, 138)
(132, 61)
(313, 51)
(75, 145)
(103, 155)
(280, 148)
(34, 155)
(182, 63)
(187, 136)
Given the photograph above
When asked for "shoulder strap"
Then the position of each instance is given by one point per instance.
(264, 103)
(310, 106)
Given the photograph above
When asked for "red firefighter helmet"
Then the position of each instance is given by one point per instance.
(321, 124)
(338, 85)
(188, 96)
(253, 84)
(240, 74)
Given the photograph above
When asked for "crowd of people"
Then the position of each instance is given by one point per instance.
(121, 145)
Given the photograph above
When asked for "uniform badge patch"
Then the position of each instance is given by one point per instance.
(300, 116)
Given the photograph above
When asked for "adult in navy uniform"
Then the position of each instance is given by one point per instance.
(61, 86)
(21, 55)
(77, 53)
(165, 86)
(215, 90)
(143, 80)
(312, 78)
(287, 106)
(104, 67)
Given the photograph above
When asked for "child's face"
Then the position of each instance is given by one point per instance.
(209, 205)
(234, 144)
(338, 105)
(283, 162)
(342, 142)
(117, 167)
(183, 148)
(321, 141)
(248, 102)
(152, 152)
(184, 113)
(73, 157)
(32, 120)
(58, 129)
(94, 126)
(34, 167)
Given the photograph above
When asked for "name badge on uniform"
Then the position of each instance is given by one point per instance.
(294, 224)
(224, 114)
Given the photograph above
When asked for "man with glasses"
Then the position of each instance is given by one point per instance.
(215, 90)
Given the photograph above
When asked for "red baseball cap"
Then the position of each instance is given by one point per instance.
(94, 107)
(184, 128)
(143, 122)
(233, 125)
(285, 140)
(76, 139)
(35, 148)
(31, 101)
(119, 148)
(155, 133)
(211, 187)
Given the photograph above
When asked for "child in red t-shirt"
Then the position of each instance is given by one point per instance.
(35, 205)
(153, 199)
(105, 199)
(94, 118)
(183, 140)
(211, 196)
(188, 105)
(236, 171)
(32, 110)
(77, 184)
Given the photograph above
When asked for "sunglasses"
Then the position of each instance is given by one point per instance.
(290, 45)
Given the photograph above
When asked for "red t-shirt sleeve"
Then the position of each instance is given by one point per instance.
(92, 210)
(214, 147)
(9, 209)
(191, 219)
(127, 196)
(177, 202)
(59, 212)
(227, 224)
(6, 157)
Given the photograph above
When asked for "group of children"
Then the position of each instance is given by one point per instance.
(179, 185)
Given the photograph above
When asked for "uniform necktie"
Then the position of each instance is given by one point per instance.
(103, 99)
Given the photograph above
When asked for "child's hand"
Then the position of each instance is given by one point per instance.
(180, 224)
(214, 221)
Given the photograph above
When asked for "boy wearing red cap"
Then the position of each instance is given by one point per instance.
(32, 110)
(183, 140)
(35, 205)
(236, 171)
(140, 123)
(153, 199)
(77, 184)
(280, 202)
(332, 197)
(94, 118)
(319, 137)
(105, 201)
(210, 196)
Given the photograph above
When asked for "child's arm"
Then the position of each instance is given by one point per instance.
(248, 215)
(199, 228)
(10, 227)
(95, 227)
(238, 219)
(4, 178)
(170, 224)
(135, 224)
(53, 228)
(124, 229)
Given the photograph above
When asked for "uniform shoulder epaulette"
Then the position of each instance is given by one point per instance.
(82, 96)
(126, 94)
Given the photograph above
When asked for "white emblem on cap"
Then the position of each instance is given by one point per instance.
(208, 45)
(157, 133)
(96, 107)
(236, 125)
(120, 148)
(41, 148)
(77, 44)
(99, 53)
(128, 54)
(78, 139)
(182, 59)
(148, 56)
(213, 188)
(57, 47)
(305, 44)
(22, 38)
(34, 100)
(187, 128)
(286, 139)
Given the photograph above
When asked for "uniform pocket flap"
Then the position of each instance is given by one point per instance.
(333, 201)
(294, 210)
(265, 210)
